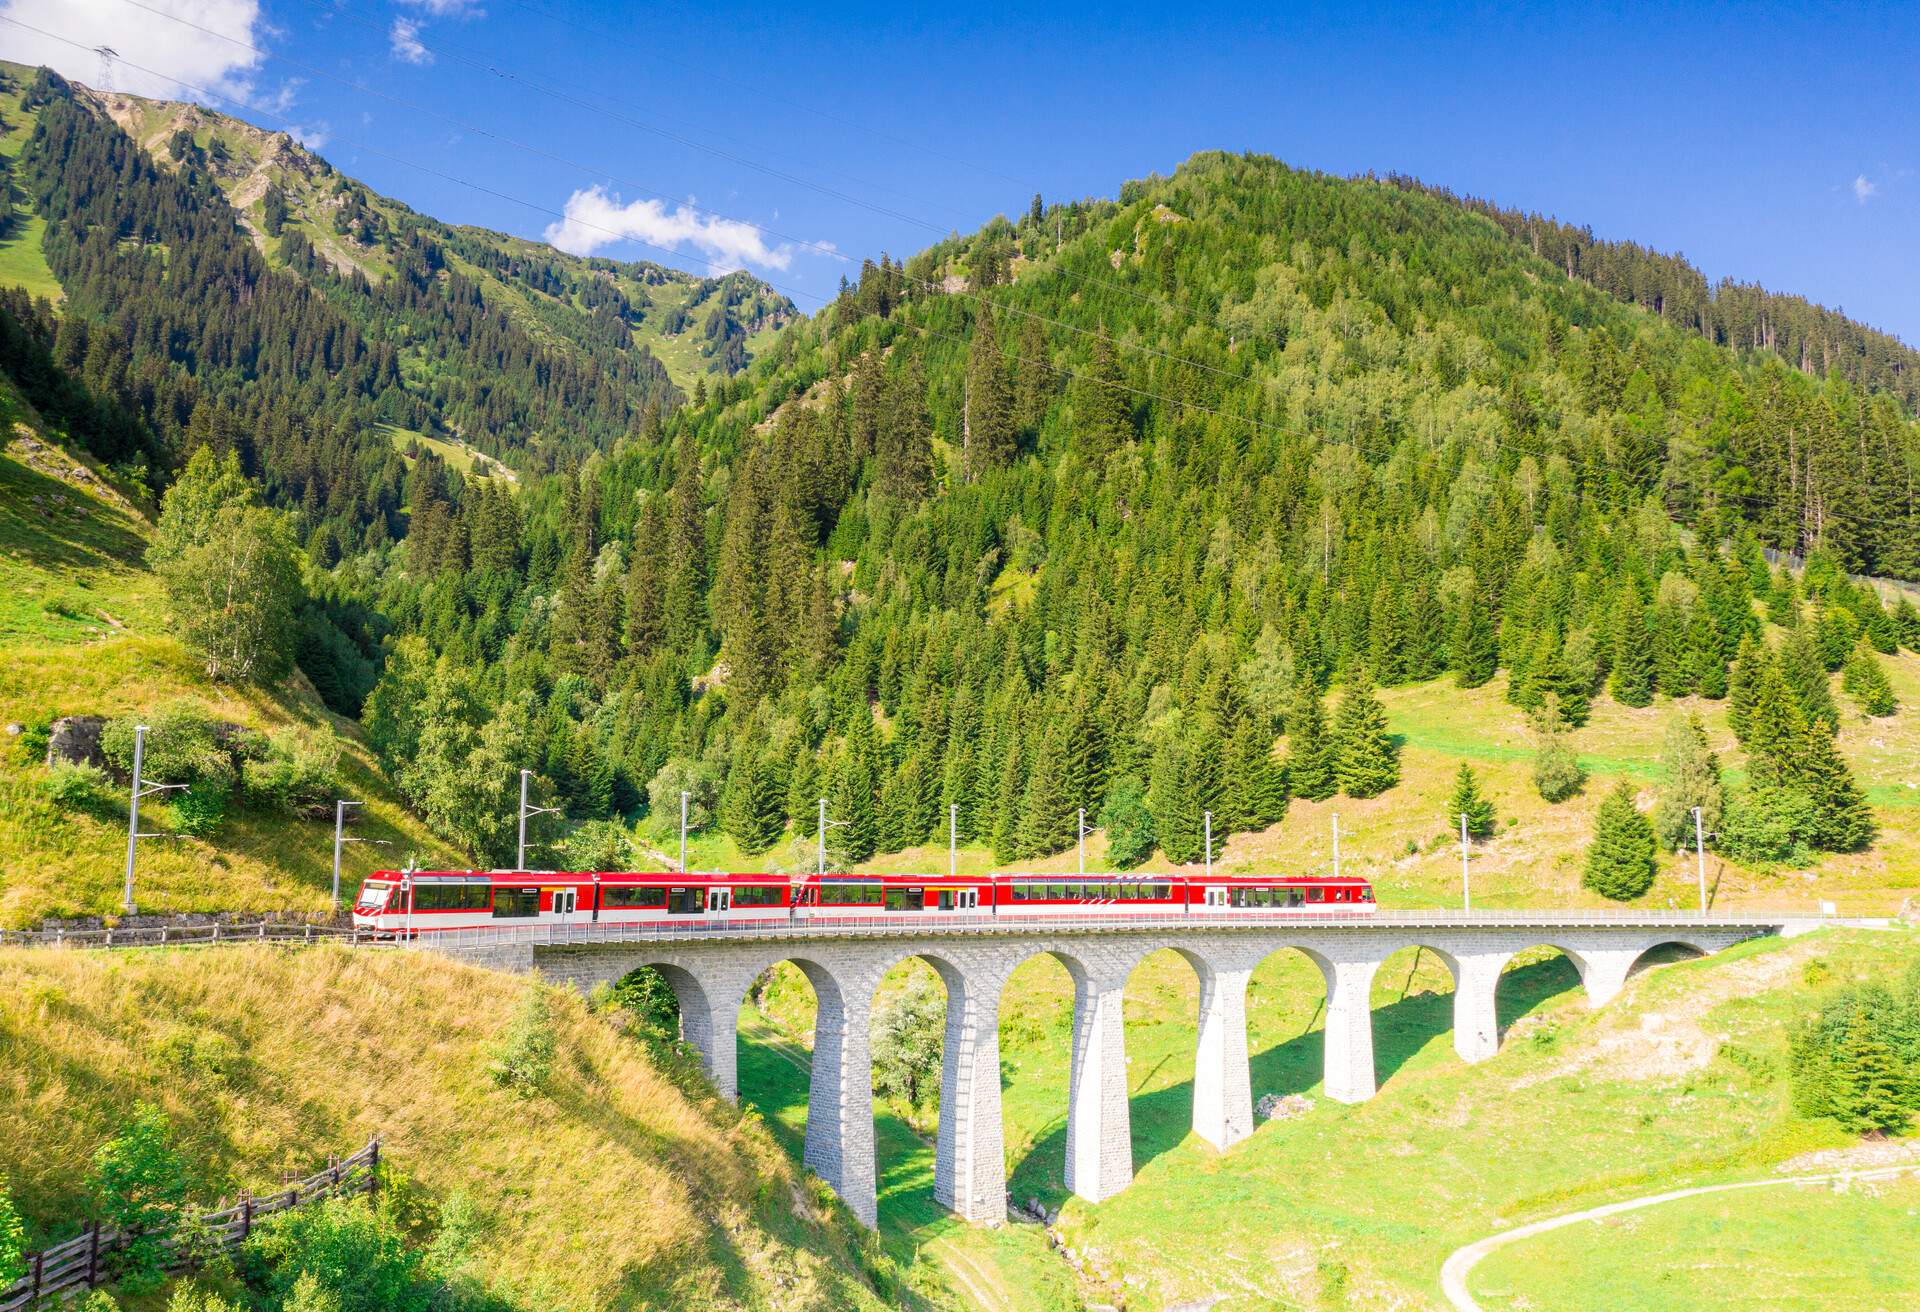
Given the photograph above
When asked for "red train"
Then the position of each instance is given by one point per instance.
(422, 901)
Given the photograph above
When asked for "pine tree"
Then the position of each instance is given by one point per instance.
(1248, 752)
(1693, 780)
(1366, 758)
(1049, 816)
(852, 794)
(1867, 684)
(1620, 858)
(1865, 1089)
(904, 465)
(1842, 820)
(1776, 729)
(1467, 801)
(1743, 683)
(1173, 798)
(1805, 671)
(1632, 679)
(1475, 645)
(686, 552)
(1102, 410)
(988, 441)
(1310, 771)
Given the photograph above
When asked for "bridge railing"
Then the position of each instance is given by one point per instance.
(156, 936)
(921, 924)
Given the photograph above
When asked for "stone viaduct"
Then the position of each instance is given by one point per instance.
(711, 967)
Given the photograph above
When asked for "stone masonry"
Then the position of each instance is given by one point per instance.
(710, 974)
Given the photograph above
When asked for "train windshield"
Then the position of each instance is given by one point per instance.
(373, 896)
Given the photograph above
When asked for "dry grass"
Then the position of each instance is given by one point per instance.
(614, 1189)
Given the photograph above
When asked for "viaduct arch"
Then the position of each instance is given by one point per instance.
(710, 971)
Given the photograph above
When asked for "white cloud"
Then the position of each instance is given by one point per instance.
(406, 42)
(595, 219)
(170, 49)
(313, 138)
(282, 100)
(1864, 189)
(444, 8)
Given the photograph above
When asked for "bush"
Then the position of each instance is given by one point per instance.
(647, 997)
(297, 775)
(1557, 773)
(907, 1038)
(139, 1185)
(1769, 826)
(699, 780)
(525, 1055)
(337, 1256)
(600, 845)
(74, 785)
(199, 811)
(13, 1242)
(182, 747)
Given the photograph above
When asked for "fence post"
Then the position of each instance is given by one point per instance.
(216, 931)
(246, 1216)
(263, 931)
(39, 1268)
(93, 1253)
(373, 1166)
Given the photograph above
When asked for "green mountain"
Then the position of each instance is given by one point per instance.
(1129, 505)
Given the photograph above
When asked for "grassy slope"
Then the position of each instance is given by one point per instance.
(22, 264)
(83, 631)
(617, 1188)
(1680, 1082)
(1535, 859)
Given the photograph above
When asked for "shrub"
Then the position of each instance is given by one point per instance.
(600, 845)
(199, 811)
(649, 1000)
(338, 1256)
(296, 775)
(907, 1037)
(525, 1056)
(1557, 773)
(139, 1185)
(74, 785)
(701, 783)
(182, 747)
(13, 1242)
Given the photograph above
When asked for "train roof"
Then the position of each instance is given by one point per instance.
(763, 877)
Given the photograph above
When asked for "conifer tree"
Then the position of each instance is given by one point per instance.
(852, 796)
(1466, 800)
(1620, 858)
(988, 441)
(1804, 670)
(1310, 772)
(1865, 1088)
(1632, 679)
(1842, 821)
(1693, 780)
(904, 472)
(1475, 645)
(1867, 684)
(1248, 752)
(1776, 730)
(1034, 381)
(1102, 409)
(686, 552)
(1366, 758)
(1049, 816)
(1173, 798)
(1743, 682)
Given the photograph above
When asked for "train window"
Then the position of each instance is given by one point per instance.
(626, 898)
(513, 903)
(1366, 894)
(1162, 892)
(1316, 895)
(757, 895)
(686, 901)
(451, 897)
(906, 899)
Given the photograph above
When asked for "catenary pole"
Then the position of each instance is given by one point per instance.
(1336, 845)
(1208, 815)
(1466, 886)
(953, 840)
(1082, 840)
(683, 831)
(1700, 856)
(133, 812)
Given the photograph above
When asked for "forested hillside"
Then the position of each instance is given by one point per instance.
(1092, 509)
(1132, 505)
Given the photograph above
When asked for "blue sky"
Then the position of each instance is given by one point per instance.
(1777, 143)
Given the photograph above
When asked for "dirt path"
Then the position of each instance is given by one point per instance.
(1453, 1275)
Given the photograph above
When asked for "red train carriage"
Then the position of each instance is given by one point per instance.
(418, 902)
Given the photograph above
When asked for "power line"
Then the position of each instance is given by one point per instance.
(1252, 422)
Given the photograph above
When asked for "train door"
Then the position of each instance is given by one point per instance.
(719, 899)
(969, 899)
(1216, 897)
(565, 901)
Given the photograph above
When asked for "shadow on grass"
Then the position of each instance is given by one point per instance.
(1162, 1120)
(773, 1077)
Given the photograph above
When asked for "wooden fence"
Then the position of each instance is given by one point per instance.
(180, 936)
(65, 1270)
